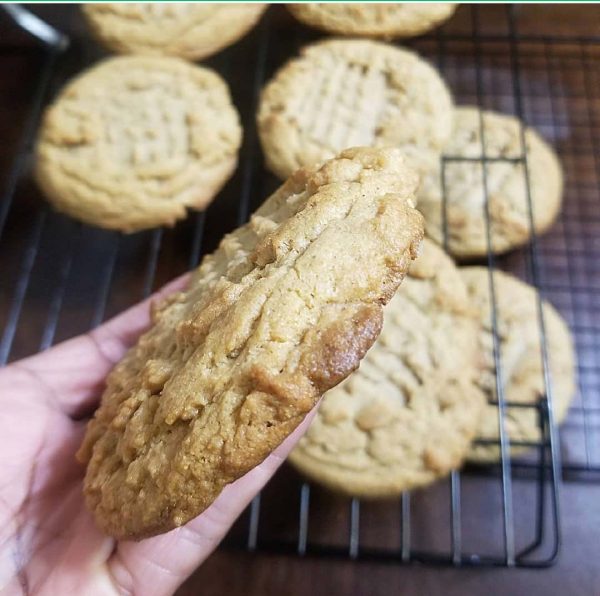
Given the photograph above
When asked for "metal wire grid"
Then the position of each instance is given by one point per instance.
(523, 493)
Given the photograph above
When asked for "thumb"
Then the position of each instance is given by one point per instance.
(157, 566)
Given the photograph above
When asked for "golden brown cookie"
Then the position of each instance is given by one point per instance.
(133, 142)
(506, 186)
(187, 30)
(408, 415)
(392, 19)
(521, 359)
(341, 93)
(283, 310)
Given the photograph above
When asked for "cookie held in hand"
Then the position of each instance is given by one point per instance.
(281, 312)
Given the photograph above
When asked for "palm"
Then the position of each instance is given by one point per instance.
(44, 402)
(48, 541)
(43, 514)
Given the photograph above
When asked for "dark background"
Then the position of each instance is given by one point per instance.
(57, 278)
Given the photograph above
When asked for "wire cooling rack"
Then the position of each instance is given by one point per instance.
(60, 278)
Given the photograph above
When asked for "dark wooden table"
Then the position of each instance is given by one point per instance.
(93, 279)
(577, 572)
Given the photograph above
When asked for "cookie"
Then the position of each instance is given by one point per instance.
(134, 141)
(191, 31)
(341, 93)
(282, 311)
(373, 20)
(506, 186)
(521, 359)
(408, 415)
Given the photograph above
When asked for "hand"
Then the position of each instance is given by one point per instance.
(48, 541)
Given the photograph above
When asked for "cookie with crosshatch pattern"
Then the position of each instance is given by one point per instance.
(282, 311)
(135, 141)
(192, 30)
(392, 19)
(340, 93)
(408, 415)
(505, 185)
(522, 375)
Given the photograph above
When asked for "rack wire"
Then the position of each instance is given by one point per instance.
(60, 278)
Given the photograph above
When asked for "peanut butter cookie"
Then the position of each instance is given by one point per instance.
(342, 93)
(192, 30)
(134, 141)
(282, 311)
(392, 19)
(505, 182)
(522, 375)
(408, 415)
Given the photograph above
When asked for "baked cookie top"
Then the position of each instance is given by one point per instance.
(506, 185)
(522, 374)
(408, 415)
(282, 311)
(396, 19)
(134, 141)
(192, 31)
(341, 93)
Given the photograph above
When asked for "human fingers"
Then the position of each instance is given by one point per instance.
(72, 373)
